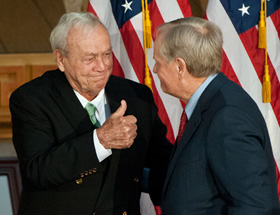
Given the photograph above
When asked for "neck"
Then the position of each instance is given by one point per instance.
(191, 87)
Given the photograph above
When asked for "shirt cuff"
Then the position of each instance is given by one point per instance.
(101, 152)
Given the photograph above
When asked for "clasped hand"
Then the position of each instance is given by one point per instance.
(118, 131)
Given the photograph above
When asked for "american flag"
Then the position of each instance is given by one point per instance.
(123, 19)
(243, 61)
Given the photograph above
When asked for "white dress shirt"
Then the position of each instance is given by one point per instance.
(103, 112)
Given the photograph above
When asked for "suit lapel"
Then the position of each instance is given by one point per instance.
(69, 104)
(177, 152)
(194, 122)
(117, 90)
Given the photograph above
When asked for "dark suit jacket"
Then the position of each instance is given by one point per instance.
(223, 164)
(53, 138)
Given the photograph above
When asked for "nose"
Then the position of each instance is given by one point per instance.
(154, 69)
(100, 64)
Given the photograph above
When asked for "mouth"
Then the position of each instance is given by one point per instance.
(97, 74)
(97, 77)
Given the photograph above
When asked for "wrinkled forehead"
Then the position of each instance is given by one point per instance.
(85, 29)
(92, 40)
(82, 32)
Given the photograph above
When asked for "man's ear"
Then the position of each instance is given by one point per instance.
(181, 66)
(59, 59)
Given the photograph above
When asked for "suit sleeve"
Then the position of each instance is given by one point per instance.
(46, 161)
(161, 156)
(236, 150)
(158, 156)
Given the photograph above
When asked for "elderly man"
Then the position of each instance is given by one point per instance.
(222, 162)
(83, 136)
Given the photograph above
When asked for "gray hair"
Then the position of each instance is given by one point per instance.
(58, 36)
(197, 41)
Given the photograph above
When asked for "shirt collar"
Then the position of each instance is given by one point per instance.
(98, 101)
(195, 97)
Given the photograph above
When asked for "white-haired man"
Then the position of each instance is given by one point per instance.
(82, 135)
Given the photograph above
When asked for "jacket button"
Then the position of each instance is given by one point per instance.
(136, 180)
(79, 181)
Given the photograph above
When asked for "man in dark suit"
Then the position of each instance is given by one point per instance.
(222, 163)
(77, 161)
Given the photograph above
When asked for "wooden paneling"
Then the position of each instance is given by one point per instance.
(11, 77)
(38, 70)
(16, 70)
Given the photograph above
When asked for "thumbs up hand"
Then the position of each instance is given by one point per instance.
(121, 110)
(118, 131)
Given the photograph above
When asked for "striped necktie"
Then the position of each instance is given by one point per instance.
(91, 109)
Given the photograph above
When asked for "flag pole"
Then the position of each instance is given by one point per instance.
(148, 26)
(266, 90)
(148, 80)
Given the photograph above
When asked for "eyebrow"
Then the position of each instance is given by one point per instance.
(94, 54)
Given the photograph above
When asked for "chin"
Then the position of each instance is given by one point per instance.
(163, 89)
(99, 86)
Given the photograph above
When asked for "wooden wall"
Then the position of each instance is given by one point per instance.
(15, 70)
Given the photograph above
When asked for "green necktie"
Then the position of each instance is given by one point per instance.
(91, 109)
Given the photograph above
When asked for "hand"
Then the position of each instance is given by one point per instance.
(119, 131)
